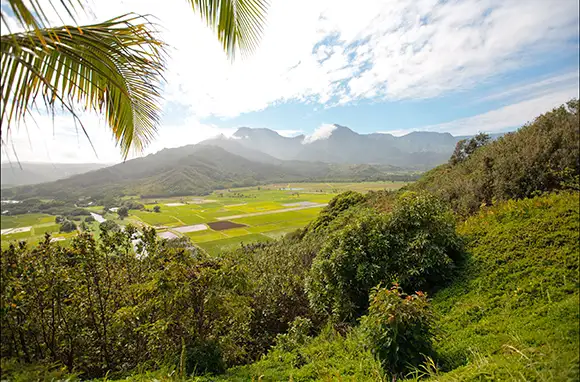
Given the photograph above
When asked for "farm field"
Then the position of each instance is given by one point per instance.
(219, 221)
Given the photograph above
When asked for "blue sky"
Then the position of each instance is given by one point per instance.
(392, 66)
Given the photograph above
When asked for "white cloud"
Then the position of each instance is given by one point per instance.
(507, 117)
(326, 52)
(324, 131)
(396, 133)
(549, 84)
(289, 133)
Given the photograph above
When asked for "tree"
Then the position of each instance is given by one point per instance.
(123, 212)
(156, 209)
(416, 244)
(466, 147)
(67, 226)
(109, 225)
(114, 67)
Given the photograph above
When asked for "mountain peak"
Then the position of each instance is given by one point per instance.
(246, 132)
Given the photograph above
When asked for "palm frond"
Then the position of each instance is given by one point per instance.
(239, 24)
(113, 68)
(31, 15)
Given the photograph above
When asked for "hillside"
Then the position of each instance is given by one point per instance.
(541, 156)
(411, 284)
(18, 174)
(194, 170)
(512, 315)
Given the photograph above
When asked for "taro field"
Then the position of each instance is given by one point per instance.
(219, 221)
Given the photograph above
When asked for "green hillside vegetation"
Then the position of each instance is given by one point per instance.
(423, 283)
(541, 156)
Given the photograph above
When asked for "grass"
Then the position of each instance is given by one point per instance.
(24, 220)
(511, 315)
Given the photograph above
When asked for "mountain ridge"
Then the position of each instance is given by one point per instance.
(420, 150)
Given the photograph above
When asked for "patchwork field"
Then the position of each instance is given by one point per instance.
(219, 221)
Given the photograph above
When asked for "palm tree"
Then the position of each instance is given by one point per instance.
(114, 67)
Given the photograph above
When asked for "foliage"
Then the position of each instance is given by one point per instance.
(541, 156)
(157, 209)
(466, 147)
(114, 67)
(275, 274)
(326, 357)
(67, 226)
(338, 204)
(89, 219)
(398, 328)
(415, 244)
(99, 306)
(109, 226)
(123, 212)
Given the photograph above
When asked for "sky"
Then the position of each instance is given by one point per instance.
(390, 66)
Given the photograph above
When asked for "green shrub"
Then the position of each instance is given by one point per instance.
(415, 244)
(89, 219)
(67, 226)
(204, 357)
(337, 205)
(425, 242)
(541, 156)
(352, 261)
(297, 335)
(398, 328)
(109, 226)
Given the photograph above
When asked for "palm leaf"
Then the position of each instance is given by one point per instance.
(113, 67)
(238, 23)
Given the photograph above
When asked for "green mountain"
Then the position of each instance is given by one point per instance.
(195, 170)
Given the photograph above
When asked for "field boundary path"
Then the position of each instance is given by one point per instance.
(271, 212)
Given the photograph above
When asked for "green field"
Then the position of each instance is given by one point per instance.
(268, 212)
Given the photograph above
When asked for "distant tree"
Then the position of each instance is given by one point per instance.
(89, 219)
(59, 219)
(109, 225)
(123, 212)
(466, 147)
(156, 209)
(67, 226)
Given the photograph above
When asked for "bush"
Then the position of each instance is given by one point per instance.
(416, 244)
(89, 219)
(59, 219)
(123, 212)
(68, 226)
(352, 261)
(427, 246)
(156, 209)
(398, 328)
(541, 156)
(338, 204)
(297, 335)
(109, 225)
(204, 357)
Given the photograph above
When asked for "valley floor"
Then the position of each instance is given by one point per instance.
(258, 214)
